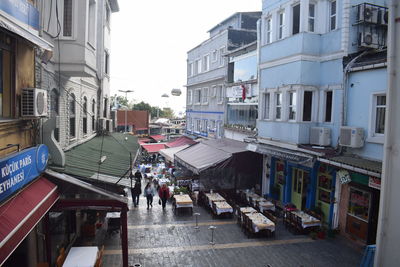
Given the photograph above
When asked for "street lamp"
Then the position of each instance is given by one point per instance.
(126, 109)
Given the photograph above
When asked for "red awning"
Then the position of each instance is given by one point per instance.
(144, 140)
(157, 137)
(20, 214)
(153, 148)
(181, 141)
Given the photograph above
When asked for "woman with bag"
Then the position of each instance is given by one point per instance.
(163, 193)
(149, 193)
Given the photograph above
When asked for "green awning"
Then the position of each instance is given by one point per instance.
(83, 160)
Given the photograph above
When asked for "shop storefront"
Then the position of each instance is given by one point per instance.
(25, 199)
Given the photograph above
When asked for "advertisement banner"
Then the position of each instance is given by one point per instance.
(19, 169)
(22, 11)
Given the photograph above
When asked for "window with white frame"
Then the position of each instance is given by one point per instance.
(292, 105)
(106, 62)
(205, 96)
(278, 106)
(266, 111)
(311, 17)
(214, 55)
(190, 69)
(379, 110)
(332, 15)
(189, 97)
(296, 19)
(221, 56)
(281, 24)
(92, 23)
(213, 91)
(197, 66)
(268, 30)
(212, 126)
(328, 106)
(197, 97)
(307, 105)
(206, 63)
(67, 18)
(204, 126)
(220, 94)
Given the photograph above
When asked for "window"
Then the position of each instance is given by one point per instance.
(281, 25)
(311, 17)
(190, 69)
(106, 62)
(204, 126)
(198, 126)
(332, 16)
(221, 56)
(296, 19)
(92, 23)
(328, 106)
(268, 32)
(72, 112)
(189, 97)
(307, 105)
(67, 18)
(220, 94)
(84, 124)
(213, 91)
(205, 96)
(105, 108)
(108, 15)
(93, 113)
(214, 55)
(292, 105)
(278, 106)
(379, 116)
(267, 98)
(54, 110)
(197, 66)
(359, 203)
(212, 126)
(206, 63)
(6, 73)
(197, 96)
(189, 124)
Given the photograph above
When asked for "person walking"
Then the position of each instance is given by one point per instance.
(137, 190)
(138, 176)
(149, 193)
(163, 193)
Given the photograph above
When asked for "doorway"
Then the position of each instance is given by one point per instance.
(300, 180)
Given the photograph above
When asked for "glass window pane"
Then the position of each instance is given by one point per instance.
(380, 121)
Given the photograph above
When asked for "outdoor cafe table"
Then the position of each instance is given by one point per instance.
(265, 205)
(220, 207)
(247, 210)
(183, 201)
(306, 219)
(260, 222)
(213, 197)
(81, 257)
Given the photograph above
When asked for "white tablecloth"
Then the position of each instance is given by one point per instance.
(81, 257)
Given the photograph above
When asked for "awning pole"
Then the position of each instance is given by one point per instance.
(124, 236)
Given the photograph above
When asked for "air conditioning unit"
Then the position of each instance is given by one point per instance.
(320, 136)
(351, 136)
(102, 124)
(368, 13)
(384, 16)
(368, 39)
(33, 102)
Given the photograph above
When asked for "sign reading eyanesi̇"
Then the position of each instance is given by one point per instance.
(19, 169)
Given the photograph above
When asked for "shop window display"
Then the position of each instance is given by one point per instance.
(359, 204)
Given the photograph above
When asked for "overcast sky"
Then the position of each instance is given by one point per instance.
(150, 39)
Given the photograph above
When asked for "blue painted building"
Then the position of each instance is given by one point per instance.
(321, 111)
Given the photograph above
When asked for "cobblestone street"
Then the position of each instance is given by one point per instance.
(160, 238)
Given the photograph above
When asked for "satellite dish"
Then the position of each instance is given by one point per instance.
(176, 92)
(165, 95)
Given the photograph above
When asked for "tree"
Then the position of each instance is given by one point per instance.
(167, 113)
(120, 101)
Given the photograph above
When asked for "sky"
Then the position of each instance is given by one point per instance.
(150, 40)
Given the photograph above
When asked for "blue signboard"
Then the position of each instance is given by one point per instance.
(22, 11)
(21, 168)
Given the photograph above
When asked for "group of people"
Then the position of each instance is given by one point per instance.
(149, 192)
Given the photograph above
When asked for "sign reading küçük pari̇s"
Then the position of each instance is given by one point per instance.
(19, 169)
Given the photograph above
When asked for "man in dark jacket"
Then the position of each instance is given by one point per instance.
(138, 176)
(136, 191)
(163, 193)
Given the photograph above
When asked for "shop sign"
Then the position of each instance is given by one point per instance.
(21, 168)
(374, 182)
(343, 176)
(22, 11)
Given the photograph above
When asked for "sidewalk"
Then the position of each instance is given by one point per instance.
(160, 238)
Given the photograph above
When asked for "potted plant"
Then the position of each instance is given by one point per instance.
(322, 233)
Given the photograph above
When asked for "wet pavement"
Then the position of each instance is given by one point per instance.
(158, 237)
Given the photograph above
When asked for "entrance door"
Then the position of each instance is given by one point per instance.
(299, 192)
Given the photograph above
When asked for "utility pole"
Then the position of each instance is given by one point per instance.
(126, 109)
